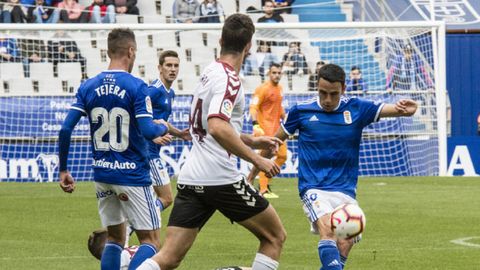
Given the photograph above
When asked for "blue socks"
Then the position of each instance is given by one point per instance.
(343, 261)
(329, 255)
(144, 252)
(111, 256)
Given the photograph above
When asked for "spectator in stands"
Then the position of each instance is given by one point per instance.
(8, 50)
(184, 11)
(63, 49)
(75, 12)
(294, 62)
(407, 72)
(28, 3)
(270, 16)
(283, 6)
(32, 51)
(43, 13)
(101, 12)
(258, 63)
(209, 11)
(313, 78)
(356, 82)
(126, 7)
(12, 12)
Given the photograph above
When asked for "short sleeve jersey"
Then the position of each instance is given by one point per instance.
(162, 100)
(219, 94)
(267, 101)
(112, 101)
(329, 142)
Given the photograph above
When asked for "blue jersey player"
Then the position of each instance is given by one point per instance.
(120, 114)
(329, 134)
(162, 95)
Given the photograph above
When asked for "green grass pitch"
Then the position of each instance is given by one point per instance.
(410, 225)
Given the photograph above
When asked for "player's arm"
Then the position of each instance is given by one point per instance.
(281, 135)
(67, 183)
(403, 107)
(143, 113)
(260, 142)
(257, 99)
(226, 136)
(182, 134)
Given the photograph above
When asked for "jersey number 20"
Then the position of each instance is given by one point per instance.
(116, 122)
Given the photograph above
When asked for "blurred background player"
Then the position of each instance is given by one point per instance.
(330, 130)
(356, 82)
(266, 111)
(210, 180)
(120, 115)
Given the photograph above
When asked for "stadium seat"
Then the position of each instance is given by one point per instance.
(126, 18)
(40, 71)
(279, 51)
(2, 88)
(191, 39)
(229, 6)
(255, 16)
(72, 85)
(202, 54)
(151, 71)
(290, 18)
(284, 82)
(11, 71)
(67, 71)
(167, 7)
(146, 55)
(187, 69)
(166, 39)
(20, 86)
(51, 86)
(250, 83)
(244, 4)
(188, 84)
(212, 38)
(94, 66)
(154, 19)
(300, 83)
(147, 7)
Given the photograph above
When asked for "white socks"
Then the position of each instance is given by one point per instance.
(263, 262)
(150, 264)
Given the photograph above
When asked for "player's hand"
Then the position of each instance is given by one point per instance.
(406, 106)
(67, 184)
(268, 166)
(257, 130)
(267, 143)
(185, 135)
(163, 140)
(162, 122)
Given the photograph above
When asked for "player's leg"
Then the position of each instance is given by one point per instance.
(113, 218)
(188, 215)
(139, 205)
(317, 205)
(344, 246)
(244, 205)
(161, 183)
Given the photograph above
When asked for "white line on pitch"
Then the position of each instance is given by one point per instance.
(464, 241)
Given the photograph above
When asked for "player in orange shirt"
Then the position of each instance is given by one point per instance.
(266, 111)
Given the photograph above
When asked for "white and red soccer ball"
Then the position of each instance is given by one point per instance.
(347, 221)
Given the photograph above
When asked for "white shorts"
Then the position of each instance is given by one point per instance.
(317, 203)
(117, 204)
(159, 172)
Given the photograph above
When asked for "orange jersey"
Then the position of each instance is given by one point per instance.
(266, 104)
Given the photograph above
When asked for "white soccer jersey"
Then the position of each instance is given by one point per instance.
(219, 94)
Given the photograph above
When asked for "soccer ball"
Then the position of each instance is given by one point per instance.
(347, 221)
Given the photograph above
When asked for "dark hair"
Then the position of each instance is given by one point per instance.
(119, 41)
(332, 73)
(277, 65)
(356, 68)
(264, 42)
(320, 63)
(165, 54)
(237, 32)
(96, 243)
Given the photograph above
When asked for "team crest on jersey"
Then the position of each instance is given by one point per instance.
(227, 107)
(347, 116)
(148, 102)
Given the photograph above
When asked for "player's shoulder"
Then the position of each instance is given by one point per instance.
(307, 105)
(220, 71)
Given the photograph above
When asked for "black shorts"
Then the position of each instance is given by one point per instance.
(194, 205)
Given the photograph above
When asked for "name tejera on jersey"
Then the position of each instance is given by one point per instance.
(110, 89)
(102, 163)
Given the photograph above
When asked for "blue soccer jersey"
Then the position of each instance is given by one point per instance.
(112, 101)
(329, 142)
(162, 100)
